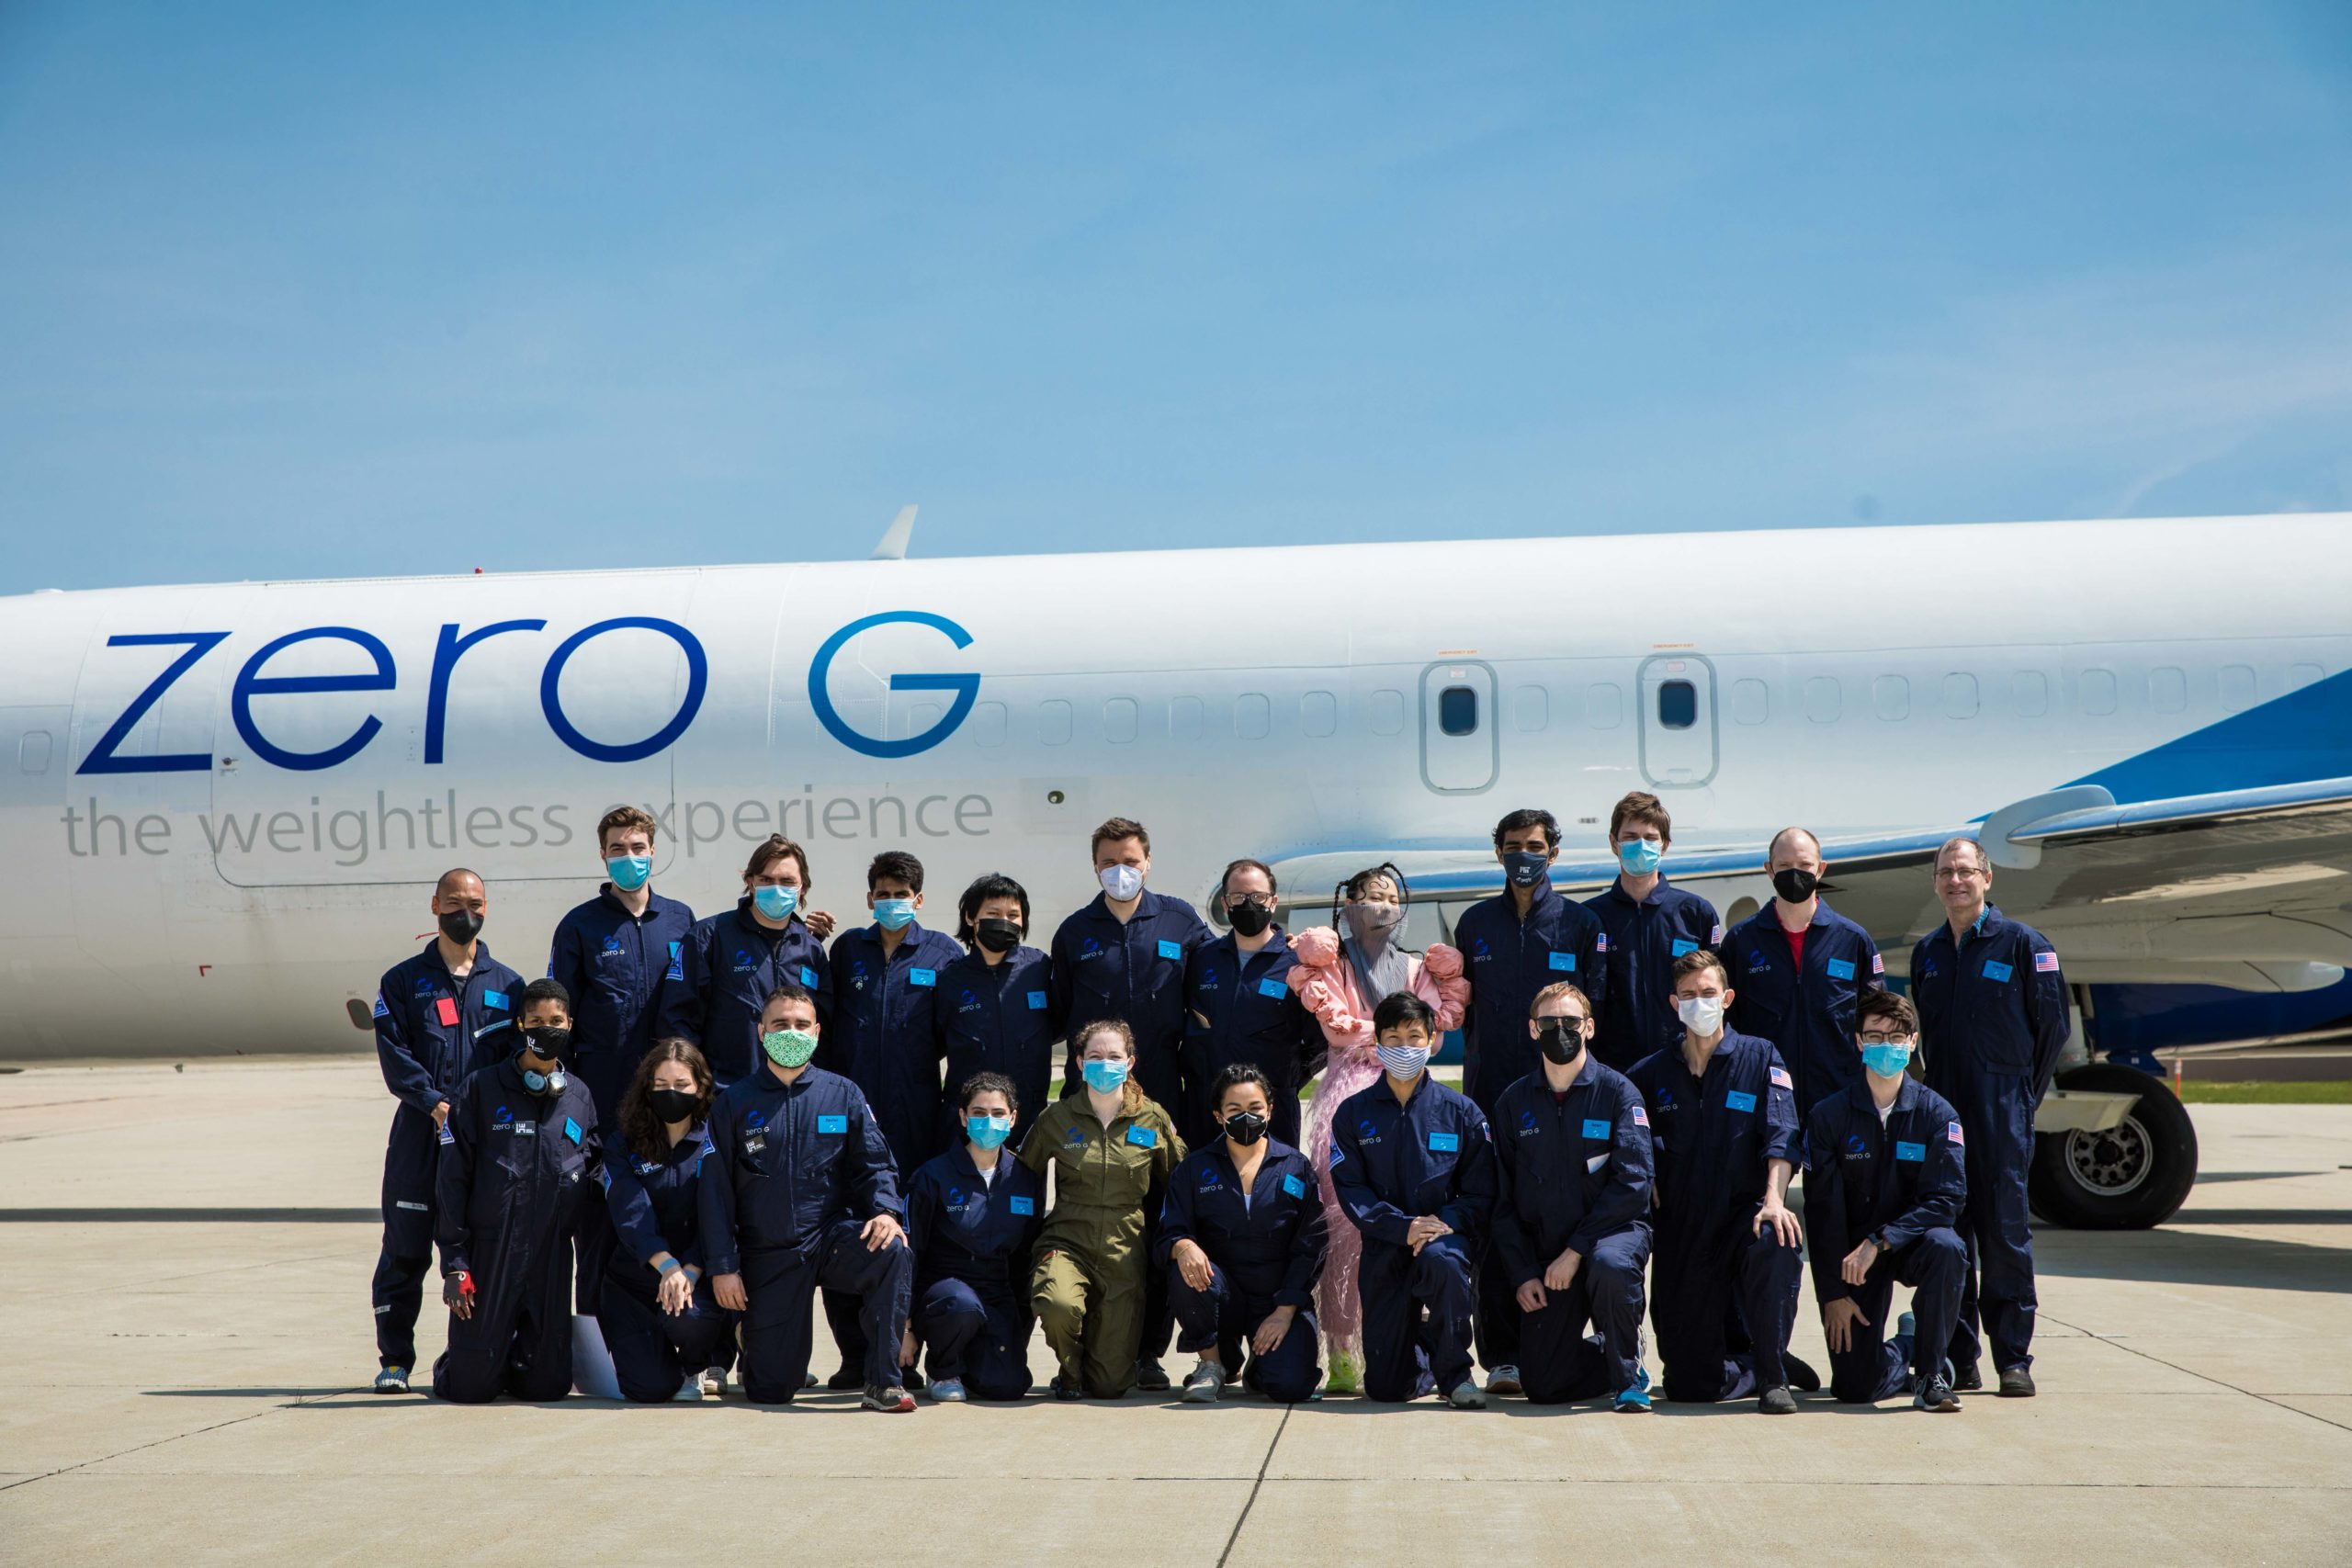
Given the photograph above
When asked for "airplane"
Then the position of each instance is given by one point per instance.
(227, 804)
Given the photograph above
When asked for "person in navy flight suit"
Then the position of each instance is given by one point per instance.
(720, 980)
(1243, 1234)
(1726, 1141)
(1572, 1152)
(1648, 924)
(1993, 1023)
(973, 1215)
(1514, 945)
(439, 1016)
(802, 1193)
(1798, 965)
(996, 1012)
(881, 1034)
(1885, 1181)
(664, 1328)
(1123, 956)
(1241, 1008)
(609, 955)
(521, 1164)
(1414, 1171)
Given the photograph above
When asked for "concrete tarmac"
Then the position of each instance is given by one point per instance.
(185, 1343)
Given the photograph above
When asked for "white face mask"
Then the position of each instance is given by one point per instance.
(1402, 1063)
(1700, 1015)
(1121, 882)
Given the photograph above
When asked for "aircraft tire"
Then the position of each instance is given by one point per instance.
(2134, 1177)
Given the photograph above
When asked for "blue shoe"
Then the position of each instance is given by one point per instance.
(1635, 1401)
(392, 1380)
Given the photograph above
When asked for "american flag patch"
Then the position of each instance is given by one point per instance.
(1716, 938)
(1951, 1133)
(1641, 1118)
(1878, 963)
(2045, 964)
(1780, 1076)
(1600, 942)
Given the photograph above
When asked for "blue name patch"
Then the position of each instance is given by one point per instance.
(1735, 1101)
(1036, 1001)
(1172, 948)
(1683, 946)
(1841, 969)
(493, 998)
(1142, 1137)
(832, 1123)
(1024, 1206)
(1273, 988)
(922, 977)
(1564, 961)
(571, 1130)
(1595, 1127)
(807, 978)
(1910, 1151)
(1996, 971)
(1445, 1143)
(1293, 1185)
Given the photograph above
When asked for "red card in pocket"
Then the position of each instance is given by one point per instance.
(446, 1009)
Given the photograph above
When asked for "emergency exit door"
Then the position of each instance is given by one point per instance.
(1458, 730)
(1678, 734)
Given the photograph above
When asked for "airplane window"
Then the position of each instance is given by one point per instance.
(1184, 717)
(1318, 715)
(1751, 702)
(2300, 675)
(1120, 716)
(32, 751)
(2237, 687)
(2168, 689)
(1890, 696)
(2097, 689)
(2031, 691)
(1823, 701)
(1959, 697)
(1252, 715)
(1388, 713)
(1678, 705)
(1053, 722)
(1603, 707)
(1531, 709)
(1457, 711)
(989, 724)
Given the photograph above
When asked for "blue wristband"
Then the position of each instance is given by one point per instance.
(670, 1265)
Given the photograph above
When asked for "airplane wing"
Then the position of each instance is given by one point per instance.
(2244, 889)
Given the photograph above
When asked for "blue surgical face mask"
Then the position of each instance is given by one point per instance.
(1525, 866)
(775, 903)
(1886, 1061)
(1104, 1078)
(987, 1132)
(894, 914)
(629, 871)
(1639, 856)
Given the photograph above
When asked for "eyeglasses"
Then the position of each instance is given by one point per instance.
(1959, 873)
(1573, 1020)
(1886, 1039)
(1235, 900)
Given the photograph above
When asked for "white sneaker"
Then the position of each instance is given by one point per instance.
(689, 1391)
(1504, 1380)
(711, 1380)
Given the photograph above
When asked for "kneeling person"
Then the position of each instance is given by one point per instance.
(1885, 1180)
(973, 1215)
(508, 1192)
(665, 1329)
(1242, 1236)
(803, 1193)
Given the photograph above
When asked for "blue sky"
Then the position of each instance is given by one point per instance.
(323, 290)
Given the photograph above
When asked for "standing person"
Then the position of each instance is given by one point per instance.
(1123, 956)
(1243, 1008)
(1572, 1151)
(1799, 965)
(666, 1331)
(438, 1018)
(1724, 1120)
(996, 1010)
(973, 1217)
(1343, 972)
(609, 954)
(1992, 1019)
(1514, 945)
(521, 1163)
(719, 983)
(1112, 1149)
(803, 1193)
(1648, 924)
(1243, 1237)
(1415, 1171)
(882, 1035)
(1885, 1181)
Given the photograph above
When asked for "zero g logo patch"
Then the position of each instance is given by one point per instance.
(965, 688)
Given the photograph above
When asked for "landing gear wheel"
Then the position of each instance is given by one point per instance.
(2131, 1177)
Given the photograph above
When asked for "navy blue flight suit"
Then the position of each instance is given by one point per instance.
(1810, 1017)
(1265, 1251)
(1903, 1183)
(797, 1170)
(655, 1207)
(1645, 938)
(973, 1242)
(1992, 1024)
(433, 1031)
(1507, 961)
(1241, 1011)
(1391, 1164)
(721, 979)
(518, 1169)
(611, 964)
(1714, 1139)
(1575, 1172)
(998, 1018)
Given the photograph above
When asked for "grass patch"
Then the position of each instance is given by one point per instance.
(2334, 1091)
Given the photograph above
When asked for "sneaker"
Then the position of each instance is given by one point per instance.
(1504, 1380)
(1801, 1375)
(1777, 1402)
(1935, 1393)
(1205, 1384)
(947, 1391)
(1150, 1376)
(891, 1401)
(1467, 1395)
(392, 1380)
(2015, 1384)
(842, 1382)
(689, 1391)
(1907, 1327)
(912, 1379)
(713, 1381)
(1345, 1374)
(1967, 1380)
(807, 1380)
(1633, 1400)
(1069, 1393)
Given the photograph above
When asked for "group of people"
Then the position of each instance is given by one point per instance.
(693, 1131)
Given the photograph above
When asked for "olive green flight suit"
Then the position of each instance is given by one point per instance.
(1086, 1285)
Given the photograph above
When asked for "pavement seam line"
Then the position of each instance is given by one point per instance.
(1251, 1501)
(2208, 1377)
(159, 1442)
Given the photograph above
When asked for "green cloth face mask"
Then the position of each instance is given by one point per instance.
(788, 1048)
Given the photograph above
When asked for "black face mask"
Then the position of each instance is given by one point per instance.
(674, 1104)
(460, 926)
(549, 1042)
(996, 935)
(1794, 885)
(1250, 918)
(1525, 866)
(1561, 1041)
(1245, 1128)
